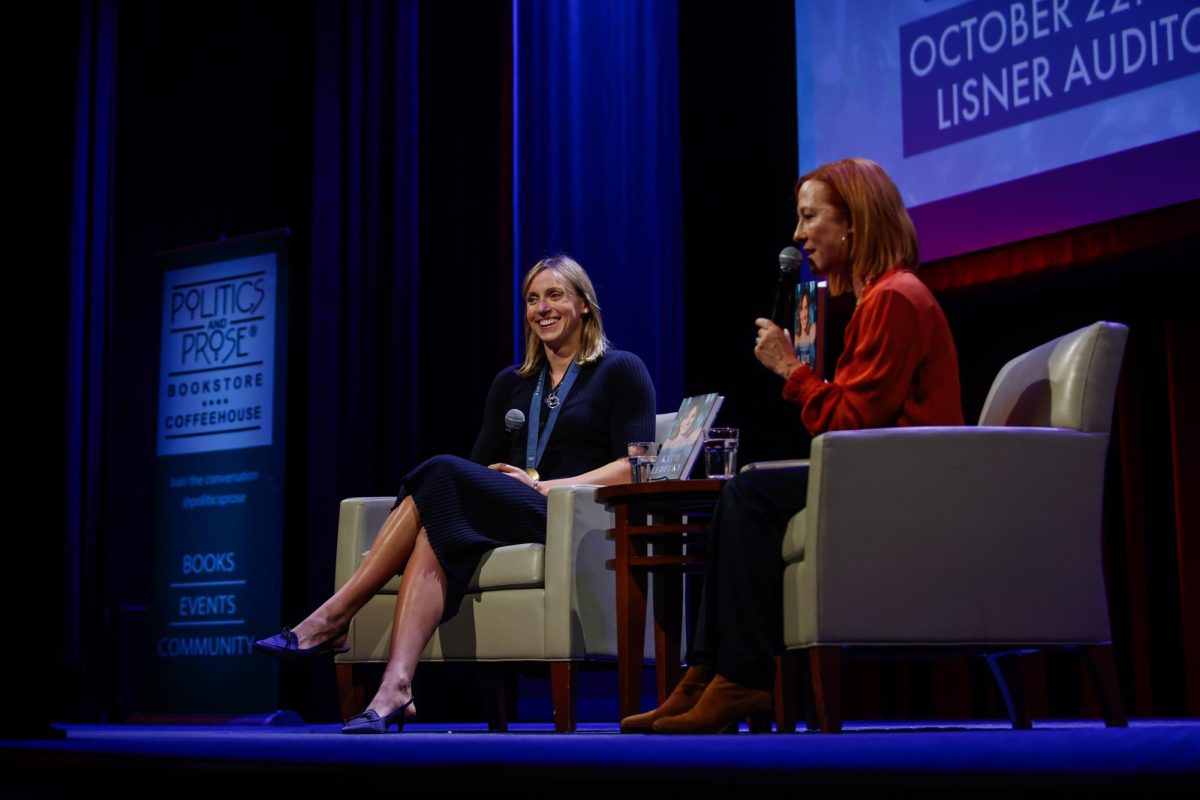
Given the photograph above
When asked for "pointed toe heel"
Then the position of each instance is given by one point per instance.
(286, 647)
(370, 722)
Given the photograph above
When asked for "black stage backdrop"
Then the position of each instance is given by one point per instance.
(39, 82)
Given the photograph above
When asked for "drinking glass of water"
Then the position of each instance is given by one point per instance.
(642, 456)
(720, 452)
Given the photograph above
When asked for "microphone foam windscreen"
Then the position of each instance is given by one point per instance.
(514, 420)
(790, 258)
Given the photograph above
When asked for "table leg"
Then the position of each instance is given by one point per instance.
(631, 616)
(668, 618)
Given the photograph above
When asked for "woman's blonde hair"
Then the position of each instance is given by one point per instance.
(882, 234)
(592, 341)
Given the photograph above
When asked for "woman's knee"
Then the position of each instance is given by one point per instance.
(780, 492)
(445, 461)
(439, 468)
(741, 491)
(425, 558)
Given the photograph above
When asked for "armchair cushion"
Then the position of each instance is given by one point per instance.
(793, 538)
(514, 566)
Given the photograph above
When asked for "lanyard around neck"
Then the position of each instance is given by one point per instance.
(535, 445)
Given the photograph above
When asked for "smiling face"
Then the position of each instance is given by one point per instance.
(555, 311)
(822, 230)
(689, 421)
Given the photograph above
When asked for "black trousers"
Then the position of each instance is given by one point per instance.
(739, 626)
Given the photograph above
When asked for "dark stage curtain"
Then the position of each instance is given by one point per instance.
(362, 310)
(597, 164)
(359, 364)
(89, 334)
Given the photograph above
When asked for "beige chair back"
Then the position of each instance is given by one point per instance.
(1069, 382)
(662, 426)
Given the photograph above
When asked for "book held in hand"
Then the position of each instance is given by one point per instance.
(682, 446)
(809, 325)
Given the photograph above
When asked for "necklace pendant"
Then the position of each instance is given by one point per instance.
(551, 401)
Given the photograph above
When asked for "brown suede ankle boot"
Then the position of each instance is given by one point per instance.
(687, 693)
(722, 705)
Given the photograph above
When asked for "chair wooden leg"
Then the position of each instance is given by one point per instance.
(351, 698)
(786, 669)
(1102, 668)
(493, 689)
(806, 687)
(1006, 670)
(564, 685)
(825, 664)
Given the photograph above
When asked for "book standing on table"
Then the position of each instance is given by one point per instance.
(680, 449)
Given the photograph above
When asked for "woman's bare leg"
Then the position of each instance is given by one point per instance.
(388, 555)
(419, 607)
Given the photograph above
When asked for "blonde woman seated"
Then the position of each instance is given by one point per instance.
(583, 400)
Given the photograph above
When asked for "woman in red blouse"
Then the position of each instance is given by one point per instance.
(898, 368)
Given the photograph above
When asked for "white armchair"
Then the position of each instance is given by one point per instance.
(984, 540)
(527, 602)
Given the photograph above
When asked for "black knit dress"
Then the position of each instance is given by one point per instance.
(468, 509)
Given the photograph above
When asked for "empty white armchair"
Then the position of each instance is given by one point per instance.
(979, 540)
(526, 602)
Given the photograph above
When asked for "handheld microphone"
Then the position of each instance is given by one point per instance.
(790, 260)
(514, 420)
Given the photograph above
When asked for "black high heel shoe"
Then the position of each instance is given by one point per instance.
(286, 646)
(370, 722)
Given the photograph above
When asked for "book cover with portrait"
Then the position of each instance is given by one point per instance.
(809, 325)
(680, 449)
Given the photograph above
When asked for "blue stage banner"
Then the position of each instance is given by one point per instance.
(219, 496)
(992, 64)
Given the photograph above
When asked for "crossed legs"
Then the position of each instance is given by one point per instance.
(401, 546)
(419, 607)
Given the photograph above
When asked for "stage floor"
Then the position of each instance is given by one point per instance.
(869, 758)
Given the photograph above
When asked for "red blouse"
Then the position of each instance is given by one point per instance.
(899, 366)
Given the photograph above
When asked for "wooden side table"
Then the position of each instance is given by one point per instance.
(648, 513)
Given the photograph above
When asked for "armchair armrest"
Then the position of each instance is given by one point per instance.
(580, 590)
(791, 463)
(359, 519)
